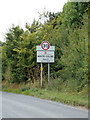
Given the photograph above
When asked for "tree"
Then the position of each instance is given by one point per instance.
(73, 13)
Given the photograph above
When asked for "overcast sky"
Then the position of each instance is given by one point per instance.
(18, 12)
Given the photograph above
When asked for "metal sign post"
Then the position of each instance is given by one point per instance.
(41, 74)
(48, 72)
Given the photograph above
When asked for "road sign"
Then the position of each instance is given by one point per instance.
(45, 45)
(45, 54)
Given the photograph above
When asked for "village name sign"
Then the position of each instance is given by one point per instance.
(45, 54)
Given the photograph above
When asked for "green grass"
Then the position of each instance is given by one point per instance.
(74, 99)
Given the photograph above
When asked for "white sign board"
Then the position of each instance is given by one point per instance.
(45, 57)
(45, 53)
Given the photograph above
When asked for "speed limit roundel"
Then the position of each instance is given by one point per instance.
(45, 45)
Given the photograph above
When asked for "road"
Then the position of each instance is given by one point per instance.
(22, 106)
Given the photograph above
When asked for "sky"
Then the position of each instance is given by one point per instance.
(18, 12)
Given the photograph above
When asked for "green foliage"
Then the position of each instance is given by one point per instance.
(75, 58)
(73, 13)
(68, 32)
(25, 88)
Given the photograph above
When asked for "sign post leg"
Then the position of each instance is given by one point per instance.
(48, 72)
(41, 75)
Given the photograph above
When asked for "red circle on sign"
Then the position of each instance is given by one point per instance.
(45, 45)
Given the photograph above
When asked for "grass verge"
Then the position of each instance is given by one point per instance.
(74, 99)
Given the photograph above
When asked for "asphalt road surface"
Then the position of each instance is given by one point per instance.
(22, 106)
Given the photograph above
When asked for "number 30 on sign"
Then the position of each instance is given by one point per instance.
(45, 45)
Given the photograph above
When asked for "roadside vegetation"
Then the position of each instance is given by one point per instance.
(68, 32)
(79, 99)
